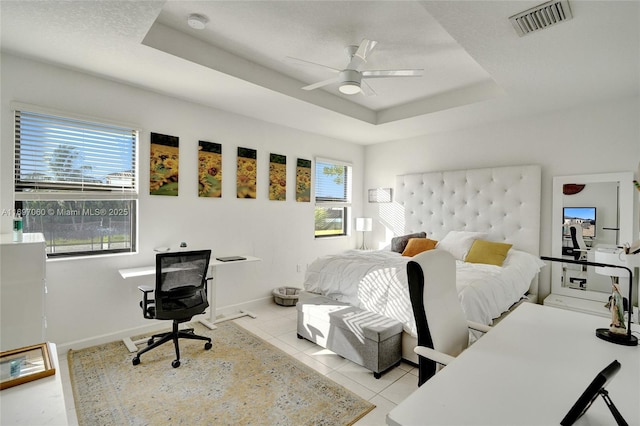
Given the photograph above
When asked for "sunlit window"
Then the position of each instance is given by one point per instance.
(333, 197)
(76, 182)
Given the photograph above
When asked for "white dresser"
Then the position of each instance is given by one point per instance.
(22, 291)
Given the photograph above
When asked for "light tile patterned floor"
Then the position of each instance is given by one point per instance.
(277, 325)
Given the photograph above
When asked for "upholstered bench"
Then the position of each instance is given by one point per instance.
(366, 338)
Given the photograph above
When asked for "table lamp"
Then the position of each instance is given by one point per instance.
(604, 333)
(364, 224)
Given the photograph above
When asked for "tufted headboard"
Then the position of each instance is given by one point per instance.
(503, 201)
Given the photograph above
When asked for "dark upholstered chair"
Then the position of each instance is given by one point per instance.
(179, 294)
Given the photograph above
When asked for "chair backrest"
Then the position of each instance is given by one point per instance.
(577, 240)
(181, 280)
(440, 321)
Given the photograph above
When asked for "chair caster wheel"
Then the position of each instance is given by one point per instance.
(135, 360)
(150, 342)
(175, 363)
(207, 346)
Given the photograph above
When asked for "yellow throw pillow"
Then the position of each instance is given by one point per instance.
(418, 245)
(489, 252)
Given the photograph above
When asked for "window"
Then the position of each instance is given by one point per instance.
(76, 182)
(333, 198)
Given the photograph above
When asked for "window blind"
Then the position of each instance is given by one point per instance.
(55, 153)
(333, 182)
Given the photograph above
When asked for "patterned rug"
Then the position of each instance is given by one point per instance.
(242, 380)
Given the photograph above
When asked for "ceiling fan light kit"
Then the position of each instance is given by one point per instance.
(350, 80)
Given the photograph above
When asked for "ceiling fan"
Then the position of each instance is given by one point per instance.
(352, 78)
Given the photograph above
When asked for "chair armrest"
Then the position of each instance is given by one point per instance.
(478, 326)
(433, 355)
(145, 303)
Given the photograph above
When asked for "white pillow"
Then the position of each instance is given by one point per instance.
(458, 243)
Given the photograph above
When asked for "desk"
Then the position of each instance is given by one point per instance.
(211, 294)
(530, 369)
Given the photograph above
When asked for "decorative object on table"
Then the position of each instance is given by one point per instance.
(616, 307)
(286, 296)
(626, 339)
(303, 181)
(277, 177)
(246, 173)
(249, 381)
(23, 365)
(380, 195)
(364, 224)
(164, 159)
(209, 169)
(17, 229)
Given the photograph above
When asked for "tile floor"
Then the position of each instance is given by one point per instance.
(277, 325)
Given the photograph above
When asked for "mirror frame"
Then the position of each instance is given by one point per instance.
(626, 234)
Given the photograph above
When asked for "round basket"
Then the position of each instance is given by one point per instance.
(286, 296)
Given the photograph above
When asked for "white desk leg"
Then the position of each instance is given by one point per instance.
(132, 345)
(211, 294)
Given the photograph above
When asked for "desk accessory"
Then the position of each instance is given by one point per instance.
(17, 229)
(595, 388)
(230, 258)
(604, 333)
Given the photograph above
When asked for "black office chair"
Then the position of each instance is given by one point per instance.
(179, 294)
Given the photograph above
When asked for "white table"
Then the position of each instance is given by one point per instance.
(529, 370)
(39, 402)
(211, 294)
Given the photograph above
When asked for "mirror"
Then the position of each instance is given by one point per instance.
(599, 208)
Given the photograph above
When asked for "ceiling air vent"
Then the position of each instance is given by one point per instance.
(540, 17)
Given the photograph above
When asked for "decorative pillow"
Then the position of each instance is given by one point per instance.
(489, 252)
(458, 243)
(398, 244)
(418, 245)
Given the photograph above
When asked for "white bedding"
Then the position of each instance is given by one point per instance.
(377, 281)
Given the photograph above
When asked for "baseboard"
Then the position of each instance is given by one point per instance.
(152, 327)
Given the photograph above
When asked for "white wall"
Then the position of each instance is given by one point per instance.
(590, 139)
(87, 297)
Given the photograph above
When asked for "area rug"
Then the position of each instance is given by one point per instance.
(242, 380)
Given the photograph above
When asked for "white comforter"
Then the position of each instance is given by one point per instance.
(377, 281)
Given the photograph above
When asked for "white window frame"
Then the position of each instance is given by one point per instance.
(338, 203)
(98, 204)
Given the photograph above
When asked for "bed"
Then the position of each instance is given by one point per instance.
(454, 208)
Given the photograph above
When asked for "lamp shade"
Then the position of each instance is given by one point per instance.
(364, 224)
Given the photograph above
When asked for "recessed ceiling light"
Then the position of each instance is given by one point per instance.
(197, 21)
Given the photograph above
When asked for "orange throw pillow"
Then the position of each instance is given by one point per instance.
(418, 245)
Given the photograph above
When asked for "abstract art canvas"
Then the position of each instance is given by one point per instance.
(164, 155)
(209, 169)
(303, 181)
(277, 177)
(246, 173)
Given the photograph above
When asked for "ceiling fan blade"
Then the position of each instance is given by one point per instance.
(367, 90)
(298, 61)
(360, 57)
(392, 73)
(322, 83)
(366, 46)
